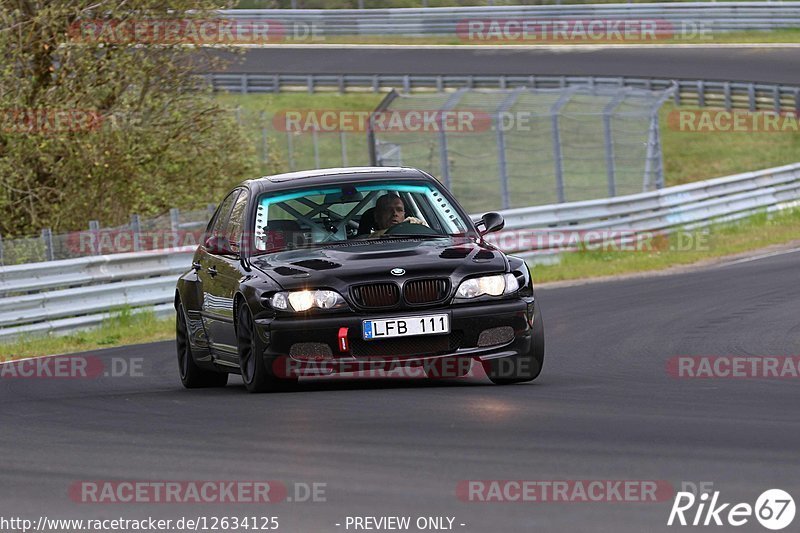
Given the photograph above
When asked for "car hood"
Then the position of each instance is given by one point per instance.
(361, 261)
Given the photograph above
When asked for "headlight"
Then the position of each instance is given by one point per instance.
(301, 301)
(495, 285)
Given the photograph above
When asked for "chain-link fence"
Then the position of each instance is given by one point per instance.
(521, 147)
(494, 149)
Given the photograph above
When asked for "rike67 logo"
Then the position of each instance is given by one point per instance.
(774, 509)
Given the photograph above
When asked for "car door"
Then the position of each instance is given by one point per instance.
(215, 305)
(228, 276)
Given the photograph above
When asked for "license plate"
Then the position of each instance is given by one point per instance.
(387, 328)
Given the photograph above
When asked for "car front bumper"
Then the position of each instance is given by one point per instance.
(482, 330)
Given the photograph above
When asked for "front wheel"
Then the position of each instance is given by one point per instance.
(256, 374)
(522, 367)
(192, 376)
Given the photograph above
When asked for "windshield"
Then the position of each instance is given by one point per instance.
(308, 217)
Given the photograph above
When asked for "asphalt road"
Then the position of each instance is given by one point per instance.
(726, 63)
(604, 408)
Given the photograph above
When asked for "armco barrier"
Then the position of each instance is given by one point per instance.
(701, 93)
(61, 296)
(716, 16)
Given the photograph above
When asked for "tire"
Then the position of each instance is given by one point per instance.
(192, 376)
(523, 367)
(256, 373)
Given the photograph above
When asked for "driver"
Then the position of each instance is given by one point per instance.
(390, 211)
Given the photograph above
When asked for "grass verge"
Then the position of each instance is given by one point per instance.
(122, 328)
(680, 248)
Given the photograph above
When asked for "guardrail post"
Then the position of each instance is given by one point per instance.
(94, 229)
(376, 86)
(406, 84)
(174, 219)
(47, 240)
(751, 96)
(276, 83)
(310, 83)
(341, 83)
(797, 101)
(701, 93)
(776, 98)
(136, 229)
(726, 87)
(439, 84)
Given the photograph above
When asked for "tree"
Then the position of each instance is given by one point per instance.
(94, 125)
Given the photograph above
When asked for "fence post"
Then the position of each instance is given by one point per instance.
(264, 143)
(611, 169)
(504, 106)
(94, 228)
(343, 142)
(558, 161)
(174, 219)
(290, 149)
(444, 161)
(136, 228)
(315, 138)
(47, 239)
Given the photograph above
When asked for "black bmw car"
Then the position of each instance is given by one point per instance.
(337, 270)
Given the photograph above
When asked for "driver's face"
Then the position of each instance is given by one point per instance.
(393, 214)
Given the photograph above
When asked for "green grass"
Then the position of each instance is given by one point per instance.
(122, 328)
(681, 248)
(694, 156)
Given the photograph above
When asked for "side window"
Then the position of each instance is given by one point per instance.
(237, 221)
(220, 221)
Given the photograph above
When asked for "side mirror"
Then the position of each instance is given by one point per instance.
(491, 222)
(219, 245)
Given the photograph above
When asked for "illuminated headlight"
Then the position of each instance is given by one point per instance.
(300, 301)
(495, 285)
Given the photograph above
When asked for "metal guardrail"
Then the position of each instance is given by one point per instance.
(702, 93)
(687, 206)
(62, 296)
(717, 16)
(83, 291)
